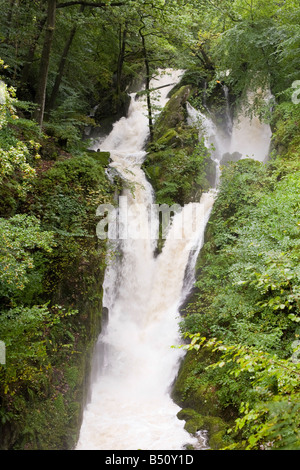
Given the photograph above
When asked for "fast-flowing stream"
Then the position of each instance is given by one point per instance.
(135, 365)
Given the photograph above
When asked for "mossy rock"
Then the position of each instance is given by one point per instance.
(230, 157)
(169, 139)
(112, 106)
(177, 165)
(194, 421)
(189, 391)
(177, 176)
(173, 113)
(101, 157)
(215, 426)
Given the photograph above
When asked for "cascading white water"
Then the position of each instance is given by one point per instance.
(130, 406)
(245, 135)
(215, 139)
(250, 136)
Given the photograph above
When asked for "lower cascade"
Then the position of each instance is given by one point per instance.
(130, 407)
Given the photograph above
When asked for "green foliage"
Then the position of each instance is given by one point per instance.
(47, 232)
(248, 45)
(14, 160)
(248, 272)
(67, 124)
(270, 419)
(6, 100)
(248, 298)
(28, 336)
(16, 156)
(177, 175)
(67, 195)
(242, 187)
(286, 140)
(20, 236)
(178, 165)
(65, 198)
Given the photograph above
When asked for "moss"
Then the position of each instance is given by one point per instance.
(194, 421)
(179, 173)
(191, 388)
(198, 398)
(102, 157)
(37, 434)
(173, 114)
(178, 166)
(169, 138)
(215, 426)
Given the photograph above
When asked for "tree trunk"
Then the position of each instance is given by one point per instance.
(44, 65)
(30, 55)
(148, 78)
(122, 47)
(61, 66)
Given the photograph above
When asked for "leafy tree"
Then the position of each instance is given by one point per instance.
(29, 344)
(269, 419)
(19, 236)
(17, 156)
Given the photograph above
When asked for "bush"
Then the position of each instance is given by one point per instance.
(248, 303)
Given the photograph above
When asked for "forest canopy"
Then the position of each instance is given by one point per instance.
(67, 57)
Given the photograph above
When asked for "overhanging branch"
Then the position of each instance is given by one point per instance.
(90, 4)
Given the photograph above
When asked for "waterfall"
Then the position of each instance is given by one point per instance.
(135, 365)
(250, 136)
(214, 139)
(245, 135)
(229, 123)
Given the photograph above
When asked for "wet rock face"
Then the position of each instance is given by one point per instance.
(174, 113)
(178, 166)
(109, 110)
(214, 426)
(201, 409)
